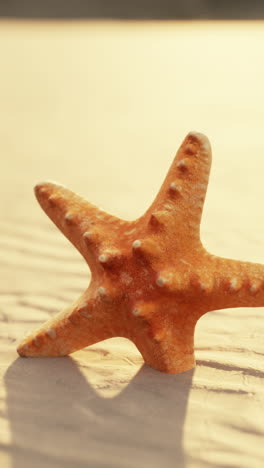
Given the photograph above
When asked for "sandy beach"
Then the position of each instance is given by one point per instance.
(102, 107)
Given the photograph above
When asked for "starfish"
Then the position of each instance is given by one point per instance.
(151, 279)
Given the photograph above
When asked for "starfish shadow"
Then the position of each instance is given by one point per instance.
(57, 419)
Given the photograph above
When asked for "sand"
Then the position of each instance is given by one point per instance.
(102, 108)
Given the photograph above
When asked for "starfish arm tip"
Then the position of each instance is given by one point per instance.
(238, 283)
(21, 350)
(202, 139)
(46, 187)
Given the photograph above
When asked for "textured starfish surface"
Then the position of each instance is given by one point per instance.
(152, 279)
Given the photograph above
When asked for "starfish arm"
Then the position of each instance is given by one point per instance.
(234, 284)
(85, 225)
(164, 338)
(181, 197)
(84, 323)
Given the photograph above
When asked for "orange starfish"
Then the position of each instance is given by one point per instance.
(152, 279)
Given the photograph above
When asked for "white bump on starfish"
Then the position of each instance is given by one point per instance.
(148, 248)
(136, 311)
(53, 198)
(175, 187)
(234, 285)
(40, 188)
(40, 185)
(182, 164)
(51, 332)
(110, 257)
(169, 206)
(203, 141)
(102, 291)
(203, 285)
(254, 288)
(161, 281)
(136, 244)
(36, 341)
(87, 235)
(69, 217)
(103, 258)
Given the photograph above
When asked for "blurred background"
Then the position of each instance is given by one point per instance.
(93, 92)
(138, 9)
